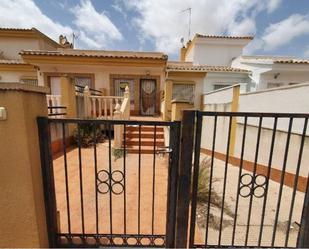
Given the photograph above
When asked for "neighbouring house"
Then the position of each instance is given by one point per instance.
(156, 85)
(107, 71)
(273, 71)
(217, 53)
(204, 66)
(12, 41)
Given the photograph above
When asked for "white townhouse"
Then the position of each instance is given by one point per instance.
(273, 71)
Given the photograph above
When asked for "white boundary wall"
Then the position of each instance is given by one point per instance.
(292, 99)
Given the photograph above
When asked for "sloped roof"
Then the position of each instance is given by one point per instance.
(98, 54)
(269, 59)
(224, 37)
(28, 32)
(189, 67)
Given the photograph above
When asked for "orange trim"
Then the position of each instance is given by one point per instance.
(275, 174)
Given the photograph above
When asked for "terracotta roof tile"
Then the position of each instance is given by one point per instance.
(189, 67)
(292, 61)
(98, 54)
(12, 62)
(16, 29)
(224, 37)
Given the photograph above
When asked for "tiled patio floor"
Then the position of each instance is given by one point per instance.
(112, 222)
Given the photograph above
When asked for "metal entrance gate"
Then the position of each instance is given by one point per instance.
(249, 186)
(98, 196)
(250, 180)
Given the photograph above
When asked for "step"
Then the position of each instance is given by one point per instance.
(144, 143)
(144, 135)
(144, 129)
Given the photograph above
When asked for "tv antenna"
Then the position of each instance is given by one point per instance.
(74, 36)
(189, 28)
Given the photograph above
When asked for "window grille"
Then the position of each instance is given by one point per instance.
(219, 86)
(183, 92)
(83, 81)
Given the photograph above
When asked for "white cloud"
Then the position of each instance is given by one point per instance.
(25, 14)
(246, 26)
(283, 32)
(306, 53)
(96, 29)
(165, 23)
(272, 5)
(117, 6)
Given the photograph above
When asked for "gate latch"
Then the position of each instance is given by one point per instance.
(163, 150)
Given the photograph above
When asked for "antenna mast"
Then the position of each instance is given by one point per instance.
(189, 28)
(74, 36)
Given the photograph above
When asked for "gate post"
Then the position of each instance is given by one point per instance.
(303, 237)
(184, 182)
(172, 184)
(48, 179)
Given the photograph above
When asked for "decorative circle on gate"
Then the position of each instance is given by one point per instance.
(107, 182)
(252, 185)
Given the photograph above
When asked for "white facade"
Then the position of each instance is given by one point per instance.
(264, 71)
(215, 51)
(214, 81)
(267, 73)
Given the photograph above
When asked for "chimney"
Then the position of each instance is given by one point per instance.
(61, 39)
(183, 52)
(64, 42)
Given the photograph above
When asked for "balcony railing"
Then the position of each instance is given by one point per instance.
(104, 106)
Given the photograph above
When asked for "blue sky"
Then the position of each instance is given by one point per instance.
(280, 27)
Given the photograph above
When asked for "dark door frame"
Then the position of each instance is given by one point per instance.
(140, 97)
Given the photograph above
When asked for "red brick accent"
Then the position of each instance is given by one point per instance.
(275, 174)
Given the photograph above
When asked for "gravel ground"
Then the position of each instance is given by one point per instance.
(243, 210)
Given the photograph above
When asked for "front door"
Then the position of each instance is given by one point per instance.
(148, 97)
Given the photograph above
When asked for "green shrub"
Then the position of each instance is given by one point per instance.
(203, 188)
(89, 133)
(117, 153)
(203, 180)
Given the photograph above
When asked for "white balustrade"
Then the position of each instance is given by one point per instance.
(121, 112)
(54, 101)
(100, 106)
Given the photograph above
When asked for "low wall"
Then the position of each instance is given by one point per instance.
(22, 222)
(291, 99)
